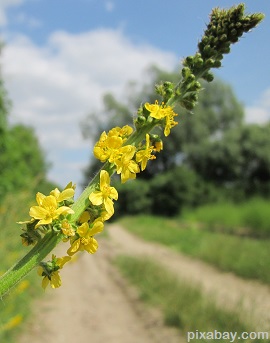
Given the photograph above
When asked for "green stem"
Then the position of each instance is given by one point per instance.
(28, 262)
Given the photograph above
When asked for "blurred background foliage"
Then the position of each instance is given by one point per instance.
(23, 169)
(211, 156)
(22, 160)
(214, 170)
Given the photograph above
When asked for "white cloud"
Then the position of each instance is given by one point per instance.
(260, 112)
(4, 4)
(54, 86)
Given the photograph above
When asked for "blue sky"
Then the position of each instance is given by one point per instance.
(62, 55)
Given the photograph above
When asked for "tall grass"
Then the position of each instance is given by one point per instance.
(249, 218)
(183, 306)
(14, 308)
(246, 257)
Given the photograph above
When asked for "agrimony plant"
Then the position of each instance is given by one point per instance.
(123, 150)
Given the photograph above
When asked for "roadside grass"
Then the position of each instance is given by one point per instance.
(250, 218)
(244, 256)
(183, 306)
(15, 307)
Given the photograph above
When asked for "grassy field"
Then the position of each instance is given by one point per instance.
(183, 306)
(250, 218)
(245, 256)
(15, 307)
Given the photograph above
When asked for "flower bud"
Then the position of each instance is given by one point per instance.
(186, 72)
(140, 121)
(208, 76)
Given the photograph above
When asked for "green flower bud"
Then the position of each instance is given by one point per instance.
(189, 61)
(233, 32)
(187, 104)
(208, 76)
(207, 51)
(154, 136)
(140, 121)
(217, 64)
(209, 63)
(196, 86)
(199, 62)
(190, 78)
(186, 72)
(225, 49)
(159, 89)
(223, 38)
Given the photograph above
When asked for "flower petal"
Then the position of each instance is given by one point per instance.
(104, 179)
(108, 203)
(38, 212)
(55, 280)
(97, 228)
(92, 246)
(96, 198)
(66, 194)
(74, 247)
(82, 230)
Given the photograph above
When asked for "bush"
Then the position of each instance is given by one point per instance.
(134, 198)
(179, 188)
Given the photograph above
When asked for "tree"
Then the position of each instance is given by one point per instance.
(218, 111)
(22, 164)
(238, 161)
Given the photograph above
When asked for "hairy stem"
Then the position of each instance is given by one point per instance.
(28, 262)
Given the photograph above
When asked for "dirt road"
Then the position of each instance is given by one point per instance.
(96, 305)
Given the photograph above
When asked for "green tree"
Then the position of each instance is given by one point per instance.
(218, 110)
(23, 162)
(239, 161)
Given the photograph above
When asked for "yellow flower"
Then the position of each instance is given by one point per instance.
(67, 229)
(158, 145)
(156, 111)
(105, 194)
(47, 209)
(86, 241)
(106, 146)
(109, 144)
(143, 156)
(123, 132)
(61, 196)
(54, 280)
(125, 165)
(160, 112)
(51, 271)
(170, 123)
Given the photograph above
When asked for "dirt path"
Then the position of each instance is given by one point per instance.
(249, 298)
(95, 305)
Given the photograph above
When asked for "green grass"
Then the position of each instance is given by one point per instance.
(15, 307)
(250, 218)
(183, 306)
(246, 257)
